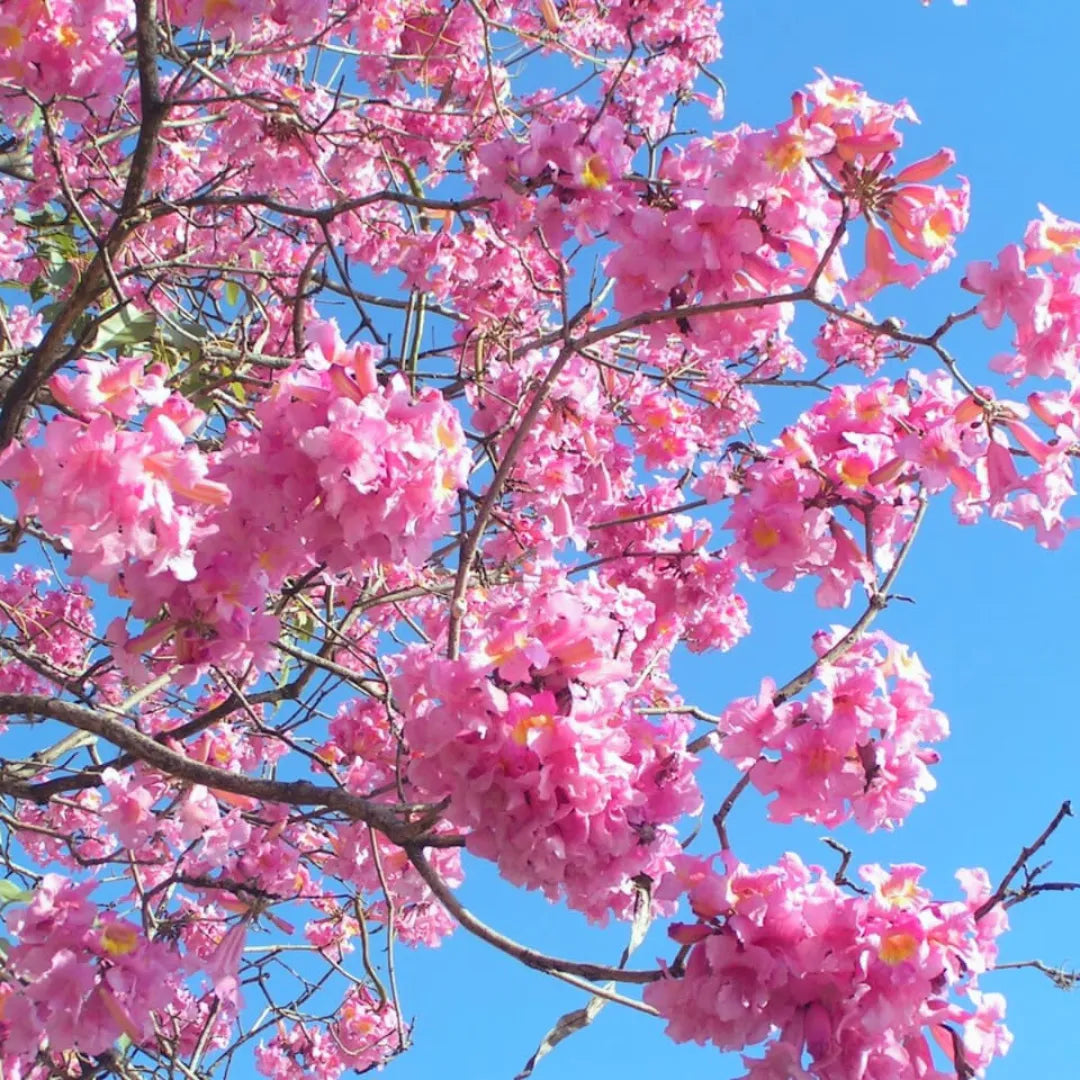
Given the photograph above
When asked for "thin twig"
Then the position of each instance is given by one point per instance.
(1061, 977)
(721, 815)
(529, 957)
(999, 894)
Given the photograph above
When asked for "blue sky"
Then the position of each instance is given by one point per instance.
(994, 614)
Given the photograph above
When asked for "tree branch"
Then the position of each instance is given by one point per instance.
(1064, 811)
(51, 353)
(529, 957)
(289, 792)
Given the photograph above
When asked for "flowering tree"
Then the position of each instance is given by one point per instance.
(383, 417)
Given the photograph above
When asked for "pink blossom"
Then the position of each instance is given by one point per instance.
(859, 748)
(1009, 289)
(790, 961)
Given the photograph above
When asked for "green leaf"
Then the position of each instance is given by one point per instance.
(124, 329)
(304, 625)
(33, 119)
(184, 333)
(10, 893)
(65, 244)
(285, 673)
(59, 277)
(40, 219)
(232, 293)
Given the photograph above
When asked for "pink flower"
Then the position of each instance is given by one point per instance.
(553, 774)
(128, 813)
(1009, 289)
(1050, 238)
(82, 976)
(858, 748)
(224, 966)
(791, 961)
(882, 267)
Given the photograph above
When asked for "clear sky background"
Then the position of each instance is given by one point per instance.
(995, 618)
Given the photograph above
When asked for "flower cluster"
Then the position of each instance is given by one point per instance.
(118, 496)
(50, 627)
(367, 753)
(858, 747)
(922, 220)
(533, 737)
(361, 472)
(850, 341)
(78, 977)
(364, 1034)
(835, 985)
(664, 555)
(63, 49)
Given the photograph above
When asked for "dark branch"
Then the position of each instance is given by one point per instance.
(51, 354)
(1002, 890)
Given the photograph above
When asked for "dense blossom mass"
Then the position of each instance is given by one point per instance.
(772, 948)
(378, 422)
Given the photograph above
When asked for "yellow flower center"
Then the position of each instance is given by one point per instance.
(445, 436)
(537, 722)
(506, 647)
(595, 175)
(899, 893)
(855, 472)
(937, 230)
(786, 155)
(764, 535)
(896, 948)
(1062, 241)
(119, 939)
(820, 762)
